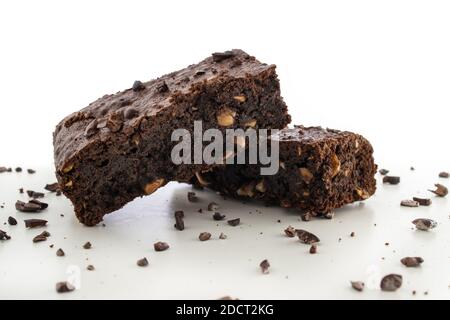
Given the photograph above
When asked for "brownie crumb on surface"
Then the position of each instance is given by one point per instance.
(64, 287)
(306, 237)
(31, 171)
(409, 203)
(31, 206)
(34, 223)
(204, 236)
(87, 245)
(179, 222)
(290, 231)
(52, 187)
(357, 285)
(422, 201)
(391, 282)
(60, 253)
(222, 236)
(212, 206)
(441, 190)
(313, 249)
(41, 237)
(412, 261)
(264, 265)
(4, 235)
(218, 216)
(90, 267)
(383, 172)
(34, 194)
(424, 224)
(444, 174)
(352, 234)
(142, 262)
(160, 246)
(192, 197)
(234, 222)
(12, 221)
(391, 179)
(18, 169)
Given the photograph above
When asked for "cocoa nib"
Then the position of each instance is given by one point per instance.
(306, 237)
(204, 236)
(290, 231)
(412, 261)
(391, 282)
(234, 222)
(440, 191)
(220, 56)
(264, 265)
(34, 223)
(179, 223)
(4, 235)
(424, 224)
(64, 287)
(142, 262)
(409, 203)
(357, 285)
(422, 201)
(391, 179)
(161, 246)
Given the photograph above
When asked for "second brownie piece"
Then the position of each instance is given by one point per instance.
(320, 170)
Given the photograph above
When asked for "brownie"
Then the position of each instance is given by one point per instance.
(119, 147)
(320, 170)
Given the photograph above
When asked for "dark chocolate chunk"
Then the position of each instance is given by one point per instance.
(444, 174)
(391, 282)
(212, 206)
(221, 56)
(34, 223)
(204, 236)
(142, 262)
(422, 201)
(313, 249)
(218, 216)
(18, 169)
(64, 287)
(90, 267)
(352, 234)
(160, 246)
(4, 235)
(60, 253)
(27, 207)
(306, 237)
(34, 194)
(87, 245)
(21, 190)
(41, 237)
(409, 203)
(264, 265)
(31, 171)
(412, 261)
(290, 231)
(383, 172)
(391, 179)
(12, 221)
(179, 223)
(357, 285)
(424, 224)
(138, 86)
(234, 222)
(441, 190)
(52, 187)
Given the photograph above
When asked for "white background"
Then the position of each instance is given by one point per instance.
(380, 68)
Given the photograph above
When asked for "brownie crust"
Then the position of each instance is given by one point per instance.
(320, 170)
(118, 147)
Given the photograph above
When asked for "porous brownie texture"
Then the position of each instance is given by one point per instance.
(119, 147)
(320, 170)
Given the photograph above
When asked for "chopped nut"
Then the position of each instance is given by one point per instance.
(201, 180)
(69, 184)
(363, 194)
(282, 165)
(153, 186)
(246, 190)
(225, 117)
(240, 98)
(299, 151)
(68, 168)
(250, 123)
(306, 175)
(260, 186)
(335, 165)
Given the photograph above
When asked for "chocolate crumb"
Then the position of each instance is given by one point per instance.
(142, 262)
(290, 231)
(34, 223)
(352, 234)
(51, 246)
(212, 206)
(192, 197)
(391, 179)
(409, 203)
(422, 201)
(179, 223)
(60, 253)
(90, 267)
(52, 187)
(264, 265)
(441, 190)
(424, 224)
(391, 282)
(218, 216)
(444, 174)
(306, 237)
(222, 236)
(4, 235)
(31, 171)
(234, 222)
(87, 245)
(34, 194)
(204, 236)
(313, 249)
(329, 215)
(64, 287)
(383, 172)
(18, 169)
(306, 216)
(412, 261)
(357, 285)
(20, 190)
(160, 246)
(138, 86)
(41, 237)
(12, 221)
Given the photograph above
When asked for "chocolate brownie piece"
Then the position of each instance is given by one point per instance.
(119, 147)
(320, 170)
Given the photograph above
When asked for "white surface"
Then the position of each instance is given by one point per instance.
(212, 269)
(379, 68)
